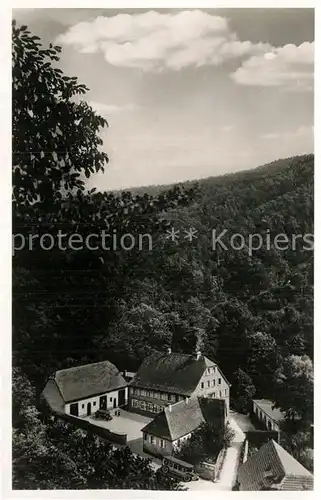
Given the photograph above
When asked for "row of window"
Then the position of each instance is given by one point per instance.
(142, 405)
(154, 394)
(210, 370)
(263, 417)
(213, 383)
(220, 394)
(94, 403)
(154, 440)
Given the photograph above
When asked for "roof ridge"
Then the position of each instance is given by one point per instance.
(279, 449)
(275, 450)
(72, 368)
(170, 430)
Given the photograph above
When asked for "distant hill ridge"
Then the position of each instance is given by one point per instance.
(272, 167)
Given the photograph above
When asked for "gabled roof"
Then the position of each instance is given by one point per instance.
(273, 466)
(81, 382)
(53, 398)
(174, 372)
(183, 417)
(267, 407)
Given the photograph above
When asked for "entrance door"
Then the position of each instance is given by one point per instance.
(121, 397)
(103, 402)
(115, 403)
(89, 409)
(74, 409)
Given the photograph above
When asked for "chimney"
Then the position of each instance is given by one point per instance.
(169, 350)
(198, 355)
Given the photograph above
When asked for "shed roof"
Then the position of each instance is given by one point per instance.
(267, 407)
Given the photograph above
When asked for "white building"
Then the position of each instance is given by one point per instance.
(82, 390)
(266, 413)
(176, 423)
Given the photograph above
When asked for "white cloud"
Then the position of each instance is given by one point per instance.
(110, 109)
(302, 132)
(153, 41)
(290, 67)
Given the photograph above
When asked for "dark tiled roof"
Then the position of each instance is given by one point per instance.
(85, 381)
(267, 407)
(182, 418)
(175, 372)
(273, 466)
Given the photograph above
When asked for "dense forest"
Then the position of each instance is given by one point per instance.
(249, 310)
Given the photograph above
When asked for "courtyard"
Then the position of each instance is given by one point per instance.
(130, 424)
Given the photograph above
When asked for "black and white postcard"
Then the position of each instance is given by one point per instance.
(162, 249)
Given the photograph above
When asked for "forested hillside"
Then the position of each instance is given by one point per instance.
(250, 311)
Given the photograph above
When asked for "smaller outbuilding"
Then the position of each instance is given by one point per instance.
(175, 424)
(82, 390)
(267, 414)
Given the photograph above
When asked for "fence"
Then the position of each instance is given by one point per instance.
(211, 470)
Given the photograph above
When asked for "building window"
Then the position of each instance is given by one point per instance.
(83, 406)
(152, 440)
(202, 385)
(220, 394)
(214, 395)
(172, 398)
(225, 392)
(111, 400)
(135, 403)
(162, 443)
(142, 405)
(214, 383)
(208, 383)
(145, 436)
(164, 396)
(219, 381)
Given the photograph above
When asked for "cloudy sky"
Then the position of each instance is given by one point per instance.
(189, 93)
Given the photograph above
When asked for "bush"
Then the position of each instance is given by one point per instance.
(205, 443)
